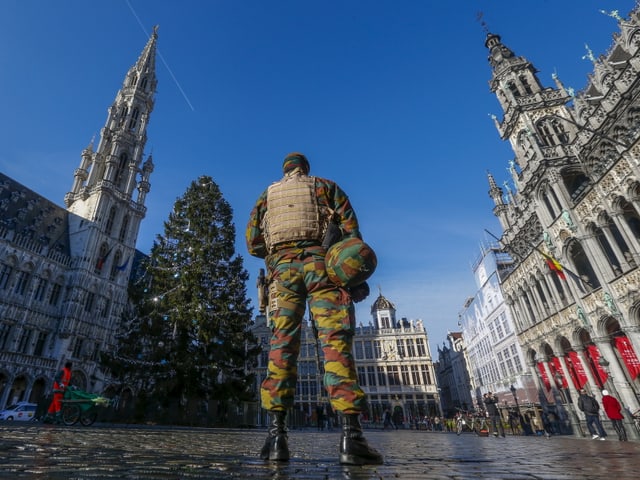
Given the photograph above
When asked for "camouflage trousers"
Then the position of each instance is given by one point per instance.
(297, 276)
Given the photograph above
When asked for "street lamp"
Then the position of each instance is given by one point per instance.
(515, 397)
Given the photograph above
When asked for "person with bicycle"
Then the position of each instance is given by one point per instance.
(60, 384)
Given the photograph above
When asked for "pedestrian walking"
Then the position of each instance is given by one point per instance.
(591, 408)
(491, 403)
(307, 231)
(386, 420)
(613, 410)
(320, 417)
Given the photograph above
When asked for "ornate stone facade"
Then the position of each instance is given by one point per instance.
(64, 272)
(572, 225)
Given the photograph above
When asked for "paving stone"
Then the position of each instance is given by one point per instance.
(38, 451)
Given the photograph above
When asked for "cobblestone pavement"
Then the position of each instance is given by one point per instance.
(37, 451)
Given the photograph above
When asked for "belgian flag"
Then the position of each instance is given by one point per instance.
(554, 265)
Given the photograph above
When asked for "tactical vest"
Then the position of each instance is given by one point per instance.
(293, 212)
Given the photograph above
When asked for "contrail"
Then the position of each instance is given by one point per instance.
(184, 95)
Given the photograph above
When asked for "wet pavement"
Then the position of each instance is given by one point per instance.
(38, 451)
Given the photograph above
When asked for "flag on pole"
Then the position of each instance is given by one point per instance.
(123, 266)
(554, 265)
(101, 260)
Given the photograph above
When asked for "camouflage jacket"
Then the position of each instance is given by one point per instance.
(328, 194)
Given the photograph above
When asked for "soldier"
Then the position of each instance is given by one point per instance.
(287, 227)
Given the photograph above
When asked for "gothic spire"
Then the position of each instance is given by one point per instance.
(115, 164)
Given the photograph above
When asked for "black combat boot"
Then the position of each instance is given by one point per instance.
(354, 449)
(275, 446)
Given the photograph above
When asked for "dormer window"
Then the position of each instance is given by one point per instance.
(122, 169)
(513, 88)
(552, 132)
(134, 118)
(525, 85)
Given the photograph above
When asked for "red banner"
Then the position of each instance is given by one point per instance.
(556, 370)
(576, 369)
(628, 355)
(598, 372)
(543, 376)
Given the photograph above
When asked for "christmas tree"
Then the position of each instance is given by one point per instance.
(187, 338)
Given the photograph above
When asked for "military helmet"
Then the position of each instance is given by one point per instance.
(350, 262)
(295, 160)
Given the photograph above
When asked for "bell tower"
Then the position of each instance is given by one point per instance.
(105, 209)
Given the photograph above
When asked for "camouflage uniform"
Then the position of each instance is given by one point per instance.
(297, 275)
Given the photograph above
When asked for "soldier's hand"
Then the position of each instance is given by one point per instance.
(359, 292)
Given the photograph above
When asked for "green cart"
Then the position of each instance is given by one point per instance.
(79, 406)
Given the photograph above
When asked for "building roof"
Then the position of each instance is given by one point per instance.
(32, 217)
(382, 303)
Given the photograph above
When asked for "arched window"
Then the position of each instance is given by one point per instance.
(110, 218)
(122, 169)
(605, 246)
(542, 296)
(134, 118)
(632, 218)
(549, 204)
(552, 132)
(513, 88)
(583, 267)
(575, 182)
(143, 84)
(117, 259)
(615, 232)
(525, 145)
(123, 228)
(123, 114)
(103, 253)
(525, 84)
(559, 285)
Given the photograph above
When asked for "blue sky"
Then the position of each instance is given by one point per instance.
(389, 98)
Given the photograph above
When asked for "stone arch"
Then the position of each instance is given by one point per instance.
(618, 202)
(79, 379)
(581, 262)
(634, 313)
(11, 260)
(584, 337)
(609, 326)
(564, 344)
(18, 389)
(546, 197)
(4, 384)
(38, 390)
(575, 182)
(531, 356)
(547, 350)
(633, 188)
